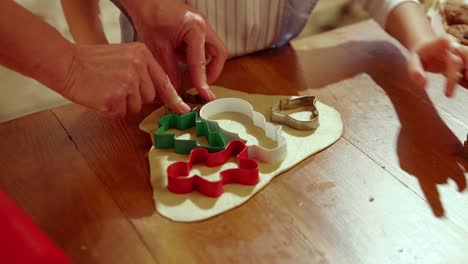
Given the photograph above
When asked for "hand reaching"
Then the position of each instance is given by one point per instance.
(118, 78)
(176, 33)
(440, 55)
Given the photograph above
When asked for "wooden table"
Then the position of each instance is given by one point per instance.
(391, 190)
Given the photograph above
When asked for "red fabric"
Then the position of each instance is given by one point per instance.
(21, 241)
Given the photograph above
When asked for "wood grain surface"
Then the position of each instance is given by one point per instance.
(391, 190)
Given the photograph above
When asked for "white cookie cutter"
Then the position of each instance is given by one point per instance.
(236, 105)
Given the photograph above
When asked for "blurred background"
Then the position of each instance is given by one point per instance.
(23, 96)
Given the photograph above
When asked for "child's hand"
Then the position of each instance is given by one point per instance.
(118, 78)
(441, 55)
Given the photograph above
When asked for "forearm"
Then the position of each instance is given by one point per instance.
(408, 23)
(32, 47)
(84, 22)
(142, 11)
(135, 6)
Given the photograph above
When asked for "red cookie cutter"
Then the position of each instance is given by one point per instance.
(180, 182)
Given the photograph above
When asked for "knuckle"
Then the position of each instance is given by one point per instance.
(115, 114)
(196, 20)
(127, 78)
(165, 83)
(150, 96)
(111, 114)
(115, 97)
(198, 64)
(138, 46)
(111, 100)
(141, 49)
(137, 61)
(202, 63)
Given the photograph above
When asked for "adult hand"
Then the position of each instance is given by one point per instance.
(440, 55)
(176, 33)
(118, 78)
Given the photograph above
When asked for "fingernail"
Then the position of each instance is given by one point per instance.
(183, 108)
(180, 107)
(211, 95)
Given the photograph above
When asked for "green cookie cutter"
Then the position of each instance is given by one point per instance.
(216, 141)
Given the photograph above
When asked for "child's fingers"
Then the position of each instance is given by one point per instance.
(454, 65)
(439, 46)
(416, 70)
(462, 52)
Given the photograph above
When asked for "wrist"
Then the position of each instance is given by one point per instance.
(150, 13)
(139, 10)
(408, 23)
(53, 69)
(32, 47)
(420, 42)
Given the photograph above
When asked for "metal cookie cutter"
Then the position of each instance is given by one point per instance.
(180, 182)
(273, 132)
(162, 140)
(278, 116)
(192, 98)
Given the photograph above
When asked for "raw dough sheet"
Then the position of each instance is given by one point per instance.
(194, 206)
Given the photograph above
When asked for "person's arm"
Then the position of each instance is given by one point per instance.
(32, 47)
(175, 32)
(406, 21)
(114, 79)
(83, 21)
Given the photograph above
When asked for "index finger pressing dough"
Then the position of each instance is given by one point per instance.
(195, 206)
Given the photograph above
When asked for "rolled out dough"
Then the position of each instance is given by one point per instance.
(194, 206)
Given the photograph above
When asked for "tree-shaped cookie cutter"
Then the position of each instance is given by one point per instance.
(198, 101)
(180, 182)
(237, 105)
(278, 116)
(165, 140)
